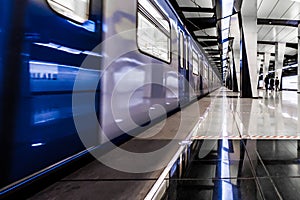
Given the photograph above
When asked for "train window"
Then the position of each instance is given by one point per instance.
(195, 63)
(205, 71)
(77, 10)
(181, 49)
(201, 64)
(153, 33)
(187, 53)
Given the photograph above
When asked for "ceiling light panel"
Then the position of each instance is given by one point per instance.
(197, 14)
(288, 34)
(204, 3)
(290, 51)
(266, 8)
(185, 3)
(280, 8)
(206, 32)
(293, 12)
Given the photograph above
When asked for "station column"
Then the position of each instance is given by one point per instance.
(249, 76)
(267, 57)
(259, 64)
(298, 58)
(279, 57)
(235, 33)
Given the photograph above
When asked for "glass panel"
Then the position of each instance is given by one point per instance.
(187, 53)
(195, 64)
(181, 49)
(152, 40)
(152, 10)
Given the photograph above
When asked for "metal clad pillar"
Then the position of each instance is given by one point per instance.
(230, 65)
(259, 63)
(279, 57)
(249, 49)
(267, 57)
(298, 58)
(233, 69)
(235, 33)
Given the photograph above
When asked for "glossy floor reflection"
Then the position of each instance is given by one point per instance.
(249, 149)
(243, 149)
(241, 169)
(274, 115)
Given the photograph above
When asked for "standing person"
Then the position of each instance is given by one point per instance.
(272, 84)
(276, 84)
(267, 82)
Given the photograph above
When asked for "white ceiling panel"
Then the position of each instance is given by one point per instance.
(290, 51)
(196, 3)
(206, 40)
(266, 48)
(191, 14)
(266, 8)
(197, 14)
(261, 47)
(259, 2)
(294, 40)
(275, 32)
(281, 8)
(204, 3)
(216, 47)
(206, 32)
(270, 48)
(293, 12)
(263, 31)
(185, 3)
(287, 34)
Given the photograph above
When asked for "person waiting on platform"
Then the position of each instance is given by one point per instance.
(272, 84)
(266, 82)
(276, 84)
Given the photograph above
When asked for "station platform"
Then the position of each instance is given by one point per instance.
(227, 148)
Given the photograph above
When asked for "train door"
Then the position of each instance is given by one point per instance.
(58, 36)
(201, 74)
(195, 71)
(205, 76)
(187, 66)
(182, 69)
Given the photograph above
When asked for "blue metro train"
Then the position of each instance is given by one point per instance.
(131, 57)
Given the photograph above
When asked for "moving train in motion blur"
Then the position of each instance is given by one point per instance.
(126, 62)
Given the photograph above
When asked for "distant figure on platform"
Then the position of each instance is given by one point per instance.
(276, 84)
(267, 82)
(272, 84)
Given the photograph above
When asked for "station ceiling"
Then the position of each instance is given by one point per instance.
(277, 21)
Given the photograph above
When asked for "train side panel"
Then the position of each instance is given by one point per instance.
(138, 85)
(53, 48)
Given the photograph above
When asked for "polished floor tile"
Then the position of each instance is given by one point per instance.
(287, 188)
(222, 168)
(229, 189)
(274, 115)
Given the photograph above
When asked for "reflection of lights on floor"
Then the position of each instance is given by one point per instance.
(226, 189)
(152, 108)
